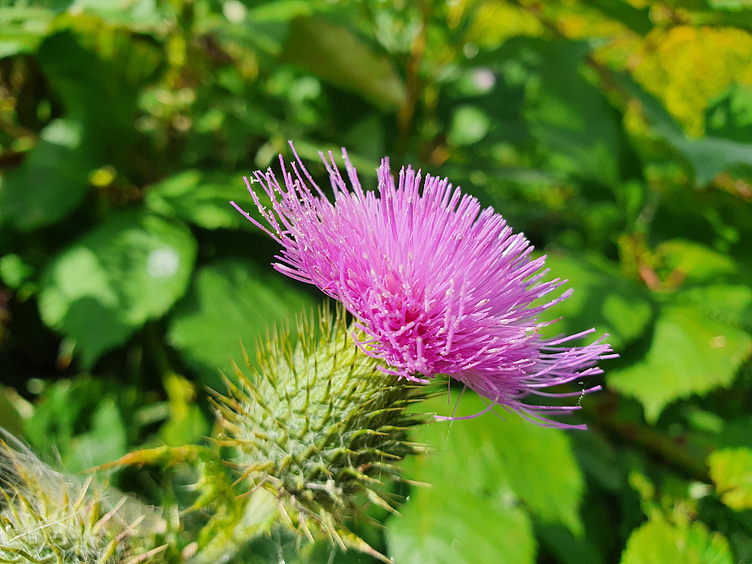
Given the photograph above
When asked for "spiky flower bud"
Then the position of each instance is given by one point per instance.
(47, 518)
(320, 425)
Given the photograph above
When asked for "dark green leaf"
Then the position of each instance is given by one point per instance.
(203, 199)
(51, 181)
(568, 548)
(636, 19)
(336, 55)
(572, 119)
(230, 302)
(601, 299)
(730, 115)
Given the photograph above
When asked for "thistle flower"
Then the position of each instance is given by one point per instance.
(437, 284)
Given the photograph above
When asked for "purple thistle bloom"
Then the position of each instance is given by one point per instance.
(436, 284)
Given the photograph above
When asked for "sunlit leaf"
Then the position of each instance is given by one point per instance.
(689, 354)
(509, 456)
(456, 526)
(686, 66)
(186, 423)
(659, 541)
(469, 125)
(14, 271)
(731, 470)
(712, 283)
(101, 289)
(22, 29)
(707, 156)
(14, 410)
(138, 14)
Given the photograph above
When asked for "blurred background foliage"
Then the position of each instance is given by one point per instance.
(616, 134)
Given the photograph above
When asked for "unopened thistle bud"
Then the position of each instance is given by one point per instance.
(48, 518)
(321, 425)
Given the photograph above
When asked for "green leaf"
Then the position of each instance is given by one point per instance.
(229, 302)
(469, 125)
(139, 14)
(735, 432)
(486, 476)
(730, 114)
(14, 271)
(106, 441)
(601, 299)
(659, 542)
(58, 171)
(14, 411)
(186, 423)
(129, 270)
(336, 55)
(568, 548)
(99, 93)
(714, 283)
(444, 526)
(689, 354)
(22, 29)
(203, 199)
(63, 411)
(707, 156)
(99, 83)
(636, 19)
(695, 261)
(571, 118)
(731, 470)
(509, 454)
